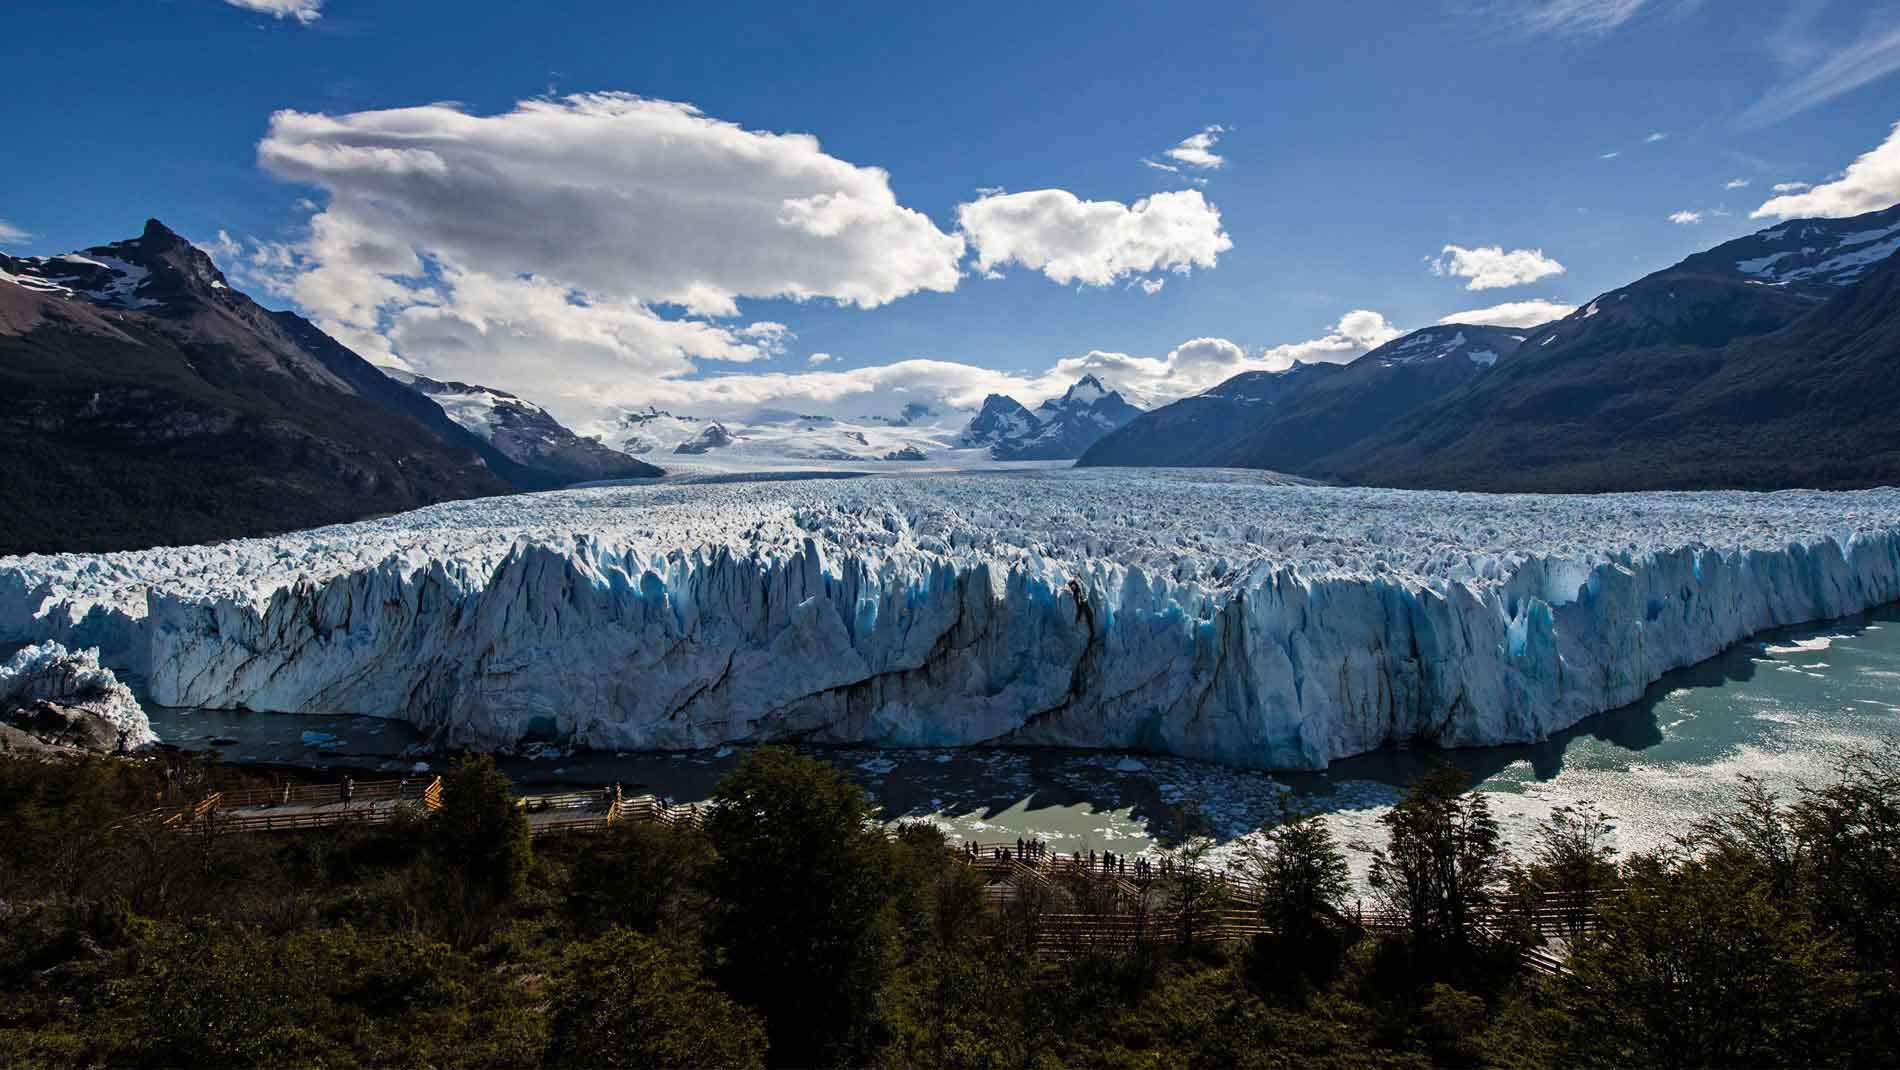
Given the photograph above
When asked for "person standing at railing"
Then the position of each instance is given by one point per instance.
(349, 788)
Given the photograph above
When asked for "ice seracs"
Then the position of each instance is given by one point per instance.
(1210, 614)
(84, 699)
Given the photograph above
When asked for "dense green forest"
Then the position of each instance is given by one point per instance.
(792, 931)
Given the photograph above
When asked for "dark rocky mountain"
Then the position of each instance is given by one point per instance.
(1288, 419)
(525, 433)
(1769, 361)
(1002, 419)
(713, 437)
(151, 403)
(1059, 429)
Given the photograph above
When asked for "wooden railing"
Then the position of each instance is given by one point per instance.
(266, 809)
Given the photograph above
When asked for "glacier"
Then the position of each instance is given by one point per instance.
(48, 672)
(1211, 614)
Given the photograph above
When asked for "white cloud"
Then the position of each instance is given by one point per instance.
(1491, 267)
(1685, 217)
(535, 250)
(1568, 16)
(609, 194)
(1195, 365)
(1529, 313)
(1655, 136)
(304, 11)
(1609, 156)
(9, 234)
(956, 389)
(818, 358)
(1093, 242)
(1736, 183)
(1875, 55)
(1791, 187)
(1152, 286)
(1195, 151)
(1870, 183)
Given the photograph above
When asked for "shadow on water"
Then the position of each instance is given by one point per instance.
(1633, 728)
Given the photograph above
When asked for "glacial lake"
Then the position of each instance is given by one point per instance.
(1783, 707)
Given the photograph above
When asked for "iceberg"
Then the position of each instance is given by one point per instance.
(1210, 614)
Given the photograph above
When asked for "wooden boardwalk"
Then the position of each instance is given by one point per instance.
(1069, 904)
(301, 807)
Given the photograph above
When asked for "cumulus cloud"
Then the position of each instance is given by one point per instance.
(10, 234)
(1790, 187)
(1874, 55)
(1195, 365)
(818, 358)
(1685, 217)
(954, 388)
(1736, 183)
(610, 193)
(1870, 183)
(1491, 267)
(1093, 242)
(304, 11)
(541, 249)
(1152, 286)
(1529, 313)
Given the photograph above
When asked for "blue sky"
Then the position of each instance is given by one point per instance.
(1357, 142)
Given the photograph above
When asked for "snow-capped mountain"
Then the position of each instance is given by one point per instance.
(1059, 428)
(148, 401)
(1808, 255)
(1284, 420)
(713, 436)
(1002, 419)
(524, 431)
(1767, 361)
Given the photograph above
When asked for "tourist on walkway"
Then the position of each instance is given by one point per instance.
(349, 789)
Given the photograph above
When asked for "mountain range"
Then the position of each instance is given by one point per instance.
(1058, 429)
(1767, 361)
(525, 433)
(1285, 420)
(151, 402)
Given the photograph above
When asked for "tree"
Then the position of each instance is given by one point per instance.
(481, 839)
(641, 875)
(1572, 862)
(1303, 879)
(1695, 964)
(1848, 836)
(1303, 875)
(626, 1000)
(1197, 894)
(803, 895)
(1441, 860)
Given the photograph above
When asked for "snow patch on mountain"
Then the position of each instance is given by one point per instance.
(1820, 253)
(1211, 614)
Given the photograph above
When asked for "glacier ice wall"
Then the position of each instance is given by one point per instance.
(74, 678)
(1208, 614)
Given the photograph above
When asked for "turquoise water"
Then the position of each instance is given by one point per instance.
(1783, 707)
